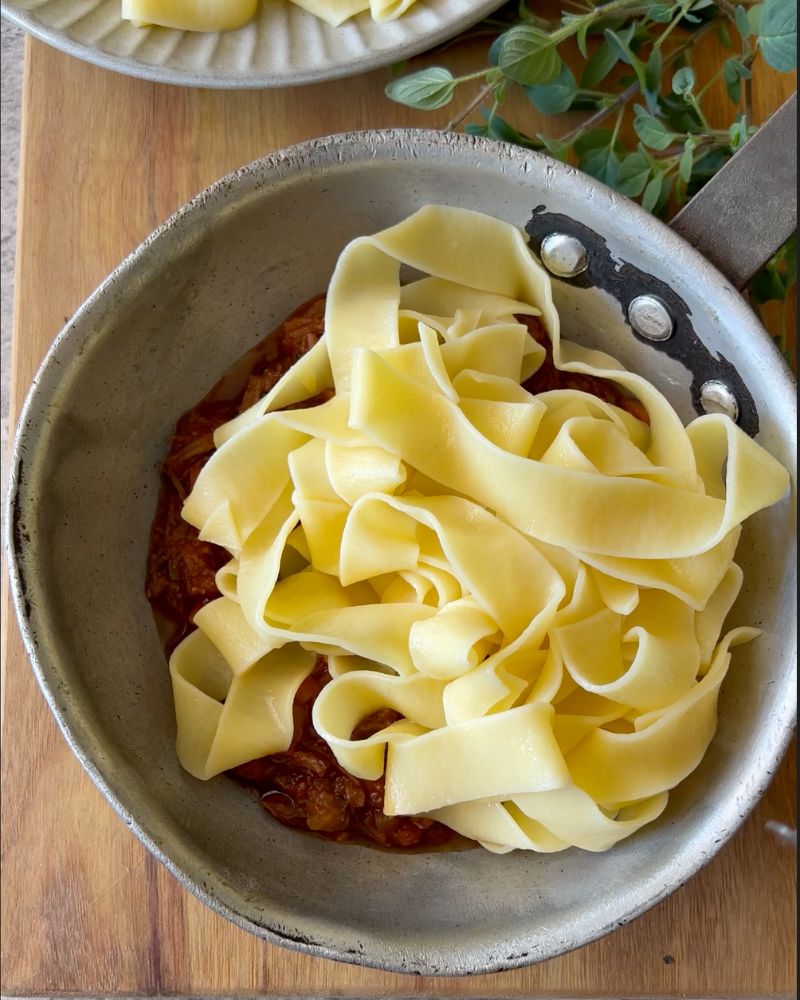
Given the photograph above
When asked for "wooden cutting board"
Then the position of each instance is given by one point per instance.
(86, 910)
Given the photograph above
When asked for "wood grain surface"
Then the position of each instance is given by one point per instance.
(86, 910)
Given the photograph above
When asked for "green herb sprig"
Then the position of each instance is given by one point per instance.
(776, 282)
(647, 49)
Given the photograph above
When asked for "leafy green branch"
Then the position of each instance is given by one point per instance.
(636, 65)
(775, 282)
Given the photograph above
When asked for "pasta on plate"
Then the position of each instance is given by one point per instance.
(535, 584)
(228, 15)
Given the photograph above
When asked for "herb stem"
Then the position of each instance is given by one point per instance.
(748, 102)
(617, 126)
(703, 120)
(479, 74)
(727, 9)
(479, 98)
(601, 114)
(708, 84)
(631, 91)
(706, 149)
(668, 31)
(587, 20)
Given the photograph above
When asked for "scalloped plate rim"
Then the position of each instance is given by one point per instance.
(259, 79)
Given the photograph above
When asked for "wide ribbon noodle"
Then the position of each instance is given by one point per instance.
(536, 584)
(228, 15)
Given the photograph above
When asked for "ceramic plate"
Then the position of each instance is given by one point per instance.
(282, 46)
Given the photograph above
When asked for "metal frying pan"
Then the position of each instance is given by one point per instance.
(158, 333)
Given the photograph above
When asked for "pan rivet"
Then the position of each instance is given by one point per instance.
(563, 255)
(716, 397)
(649, 318)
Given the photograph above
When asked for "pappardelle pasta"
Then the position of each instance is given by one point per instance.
(228, 15)
(534, 585)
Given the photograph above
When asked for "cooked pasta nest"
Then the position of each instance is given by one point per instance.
(536, 584)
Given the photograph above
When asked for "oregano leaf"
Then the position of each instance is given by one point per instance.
(678, 115)
(733, 72)
(653, 68)
(426, 89)
(663, 195)
(742, 22)
(661, 13)
(738, 133)
(653, 132)
(786, 259)
(557, 149)
(777, 34)
(621, 45)
(766, 285)
(580, 40)
(741, 70)
(600, 64)
(706, 166)
(524, 12)
(634, 173)
(652, 192)
(652, 76)
(601, 163)
(754, 18)
(555, 97)
(496, 127)
(528, 56)
(683, 81)
(686, 161)
(592, 139)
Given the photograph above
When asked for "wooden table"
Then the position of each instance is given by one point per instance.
(86, 910)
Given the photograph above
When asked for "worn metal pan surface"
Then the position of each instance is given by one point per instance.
(153, 339)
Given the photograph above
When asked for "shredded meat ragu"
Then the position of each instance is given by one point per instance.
(303, 787)
(306, 788)
(548, 377)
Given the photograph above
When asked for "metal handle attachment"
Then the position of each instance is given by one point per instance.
(748, 209)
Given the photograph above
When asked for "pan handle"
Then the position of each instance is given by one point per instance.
(748, 209)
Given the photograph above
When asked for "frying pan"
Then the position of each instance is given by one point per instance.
(158, 333)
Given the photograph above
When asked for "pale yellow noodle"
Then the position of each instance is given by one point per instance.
(228, 15)
(537, 585)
